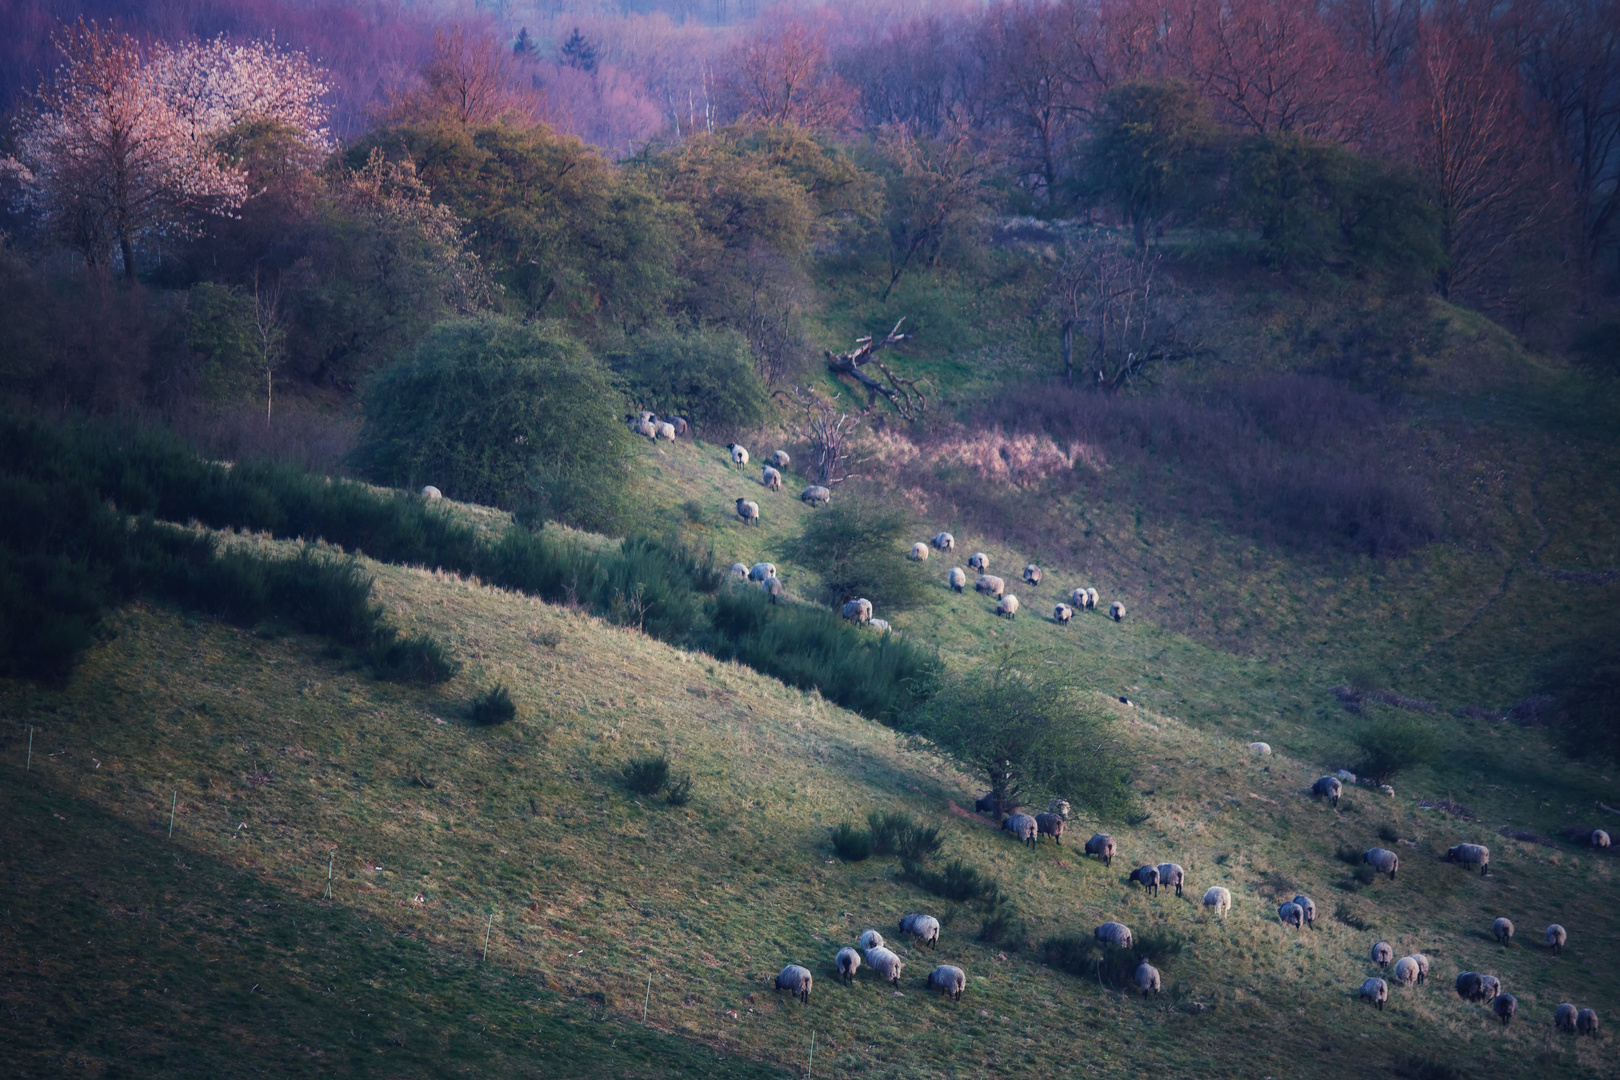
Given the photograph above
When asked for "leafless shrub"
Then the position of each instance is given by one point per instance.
(826, 431)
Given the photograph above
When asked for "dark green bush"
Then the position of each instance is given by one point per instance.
(1364, 874)
(416, 659)
(1351, 917)
(1393, 742)
(918, 844)
(956, 880)
(1002, 927)
(851, 844)
(493, 706)
(679, 790)
(1086, 958)
(1348, 855)
(647, 776)
(857, 546)
(888, 827)
(705, 375)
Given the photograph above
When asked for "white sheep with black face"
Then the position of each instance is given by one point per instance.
(957, 579)
(1308, 907)
(1383, 860)
(1375, 991)
(1116, 611)
(1471, 855)
(780, 459)
(430, 493)
(989, 583)
(1033, 574)
(948, 980)
(1146, 977)
(1218, 899)
(1502, 930)
(747, 511)
(796, 981)
(1382, 953)
(924, 929)
(869, 940)
(1062, 613)
(885, 963)
(944, 541)
(1291, 914)
(770, 478)
(858, 611)
(1023, 828)
(773, 589)
(1556, 936)
(979, 561)
(762, 570)
(919, 552)
(1329, 788)
(1406, 970)
(816, 495)
(1008, 607)
(739, 455)
(1171, 876)
(1112, 933)
(848, 962)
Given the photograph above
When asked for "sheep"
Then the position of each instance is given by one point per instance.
(1502, 929)
(1049, 825)
(1062, 613)
(780, 459)
(1171, 876)
(1600, 839)
(1383, 860)
(1261, 748)
(1008, 607)
(1422, 966)
(666, 430)
(1060, 807)
(848, 962)
(948, 980)
(1032, 574)
(1490, 986)
(1586, 1023)
(1146, 977)
(1290, 914)
(683, 426)
(1471, 855)
(979, 561)
(1376, 991)
(1218, 898)
(1147, 877)
(815, 495)
(1077, 599)
(646, 417)
(1383, 952)
(739, 456)
(1406, 969)
(739, 570)
(919, 552)
(1113, 933)
(1470, 985)
(880, 625)
(1102, 846)
(944, 541)
(869, 940)
(1091, 600)
(956, 579)
(773, 589)
(762, 570)
(1329, 788)
(430, 493)
(645, 427)
(747, 510)
(1556, 936)
(1307, 907)
(796, 981)
(923, 928)
(1116, 611)
(1023, 828)
(885, 963)
(989, 583)
(1564, 1018)
(1505, 1006)
(770, 478)
(858, 610)
(986, 803)
(1346, 775)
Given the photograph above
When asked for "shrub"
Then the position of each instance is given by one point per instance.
(1002, 927)
(1388, 835)
(888, 827)
(856, 546)
(851, 844)
(1351, 917)
(1393, 742)
(918, 844)
(493, 707)
(679, 791)
(1086, 958)
(1364, 874)
(416, 659)
(956, 880)
(646, 776)
(706, 375)
(1348, 855)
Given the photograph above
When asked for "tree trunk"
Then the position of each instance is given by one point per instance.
(1068, 352)
(128, 251)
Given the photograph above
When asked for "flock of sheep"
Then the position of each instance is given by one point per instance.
(945, 979)
(1082, 599)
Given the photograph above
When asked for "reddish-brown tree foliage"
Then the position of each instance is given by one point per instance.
(782, 74)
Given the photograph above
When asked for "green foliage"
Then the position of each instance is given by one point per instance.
(1151, 151)
(647, 776)
(416, 659)
(957, 881)
(493, 411)
(220, 331)
(1351, 917)
(1088, 959)
(1585, 685)
(895, 832)
(706, 375)
(851, 844)
(678, 792)
(857, 547)
(1392, 742)
(493, 706)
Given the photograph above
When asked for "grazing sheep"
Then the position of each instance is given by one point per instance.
(1078, 599)
(923, 928)
(1113, 933)
(430, 493)
(1490, 986)
(748, 510)
(683, 426)
(1423, 966)
(1008, 608)
(1148, 878)
(1091, 600)
(885, 963)
(880, 625)
(989, 583)
(645, 427)
(1263, 749)
(1471, 855)
(815, 495)
(762, 570)
(796, 981)
(1586, 1023)
(948, 980)
(773, 589)
(1102, 846)
(848, 962)
(1171, 876)
(944, 541)
(1291, 914)
(1049, 825)
(1060, 807)
(869, 940)
(1385, 789)
(1218, 898)
(1383, 952)
(1023, 828)
(1556, 936)
(1346, 775)
(1406, 969)
(739, 456)
(1329, 788)
(1375, 991)
(957, 579)
(1032, 574)
(1116, 611)
(979, 561)
(919, 552)
(1564, 1018)
(858, 610)
(780, 459)
(1062, 613)
(1505, 1006)
(1383, 860)
(1600, 839)
(1308, 907)
(666, 430)
(647, 417)
(739, 570)
(1146, 977)
(1502, 929)
(1471, 986)
(770, 478)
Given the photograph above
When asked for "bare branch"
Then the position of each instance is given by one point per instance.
(903, 394)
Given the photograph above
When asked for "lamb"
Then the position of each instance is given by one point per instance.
(1308, 907)
(1471, 855)
(1503, 930)
(1329, 788)
(739, 570)
(869, 940)
(1091, 600)
(1060, 807)
(1586, 1023)
(923, 928)
(1600, 839)
(989, 583)
(948, 980)
(1062, 613)
(919, 552)
(1008, 608)
(957, 579)
(666, 430)
(770, 478)
(1383, 952)
(1375, 991)
(796, 981)
(1564, 1018)
(1261, 748)
(1102, 845)
(780, 459)
(1406, 969)
(1291, 914)
(1171, 876)
(1218, 898)
(739, 456)
(979, 561)
(815, 495)
(858, 610)
(773, 589)
(944, 541)
(1049, 825)
(762, 570)
(848, 962)
(747, 510)
(1146, 977)
(880, 625)
(1505, 1006)
(1556, 938)
(1113, 933)
(430, 493)
(1023, 828)
(1116, 611)
(1383, 860)
(1032, 574)
(1148, 878)
(885, 963)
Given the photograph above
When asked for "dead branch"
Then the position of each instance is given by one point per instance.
(826, 431)
(903, 394)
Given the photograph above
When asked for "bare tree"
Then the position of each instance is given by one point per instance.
(826, 430)
(902, 393)
(271, 336)
(1117, 302)
(935, 189)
